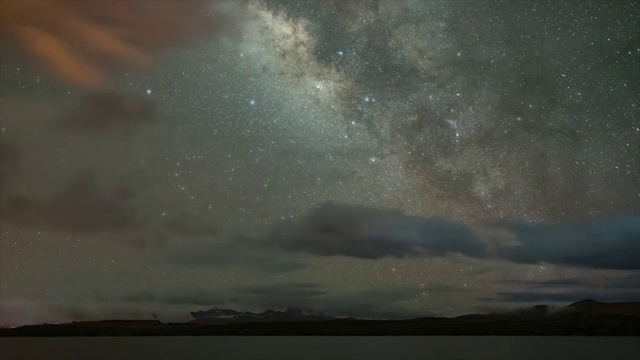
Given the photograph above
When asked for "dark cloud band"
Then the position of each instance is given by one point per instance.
(332, 229)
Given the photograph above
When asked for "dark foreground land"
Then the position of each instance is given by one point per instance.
(595, 327)
(336, 327)
(595, 319)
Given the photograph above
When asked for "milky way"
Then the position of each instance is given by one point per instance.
(481, 126)
(454, 116)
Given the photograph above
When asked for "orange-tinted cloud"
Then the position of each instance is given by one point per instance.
(83, 42)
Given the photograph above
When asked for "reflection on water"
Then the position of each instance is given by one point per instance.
(289, 347)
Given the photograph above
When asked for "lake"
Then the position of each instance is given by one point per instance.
(322, 348)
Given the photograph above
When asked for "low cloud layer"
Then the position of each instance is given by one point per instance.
(372, 303)
(333, 229)
(563, 297)
(568, 290)
(631, 281)
(186, 297)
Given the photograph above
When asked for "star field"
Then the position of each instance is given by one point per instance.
(493, 116)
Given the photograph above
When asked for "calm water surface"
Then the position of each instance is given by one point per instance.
(322, 348)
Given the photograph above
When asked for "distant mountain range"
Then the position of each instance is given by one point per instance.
(586, 317)
(219, 316)
(587, 307)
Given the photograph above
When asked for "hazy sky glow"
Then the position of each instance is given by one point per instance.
(371, 158)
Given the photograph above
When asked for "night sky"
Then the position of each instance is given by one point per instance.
(377, 158)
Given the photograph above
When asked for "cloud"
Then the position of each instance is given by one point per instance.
(184, 297)
(565, 297)
(79, 207)
(333, 229)
(104, 110)
(611, 244)
(281, 295)
(80, 180)
(631, 281)
(444, 288)
(82, 206)
(227, 254)
(627, 282)
(83, 42)
(100, 116)
(625, 288)
(9, 156)
(188, 225)
(546, 283)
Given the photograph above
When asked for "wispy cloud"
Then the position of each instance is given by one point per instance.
(83, 206)
(242, 256)
(85, 42)
(375, 303)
